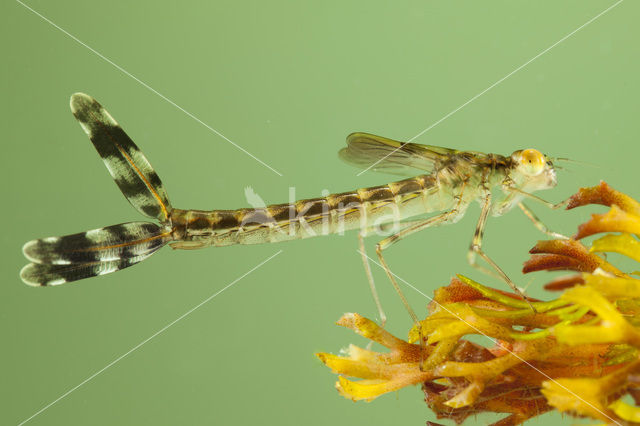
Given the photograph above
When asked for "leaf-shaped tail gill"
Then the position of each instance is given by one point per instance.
(57, 260)
(127, 164)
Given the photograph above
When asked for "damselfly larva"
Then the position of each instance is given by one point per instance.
(448, 181)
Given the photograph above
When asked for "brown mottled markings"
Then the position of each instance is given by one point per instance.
(376, 193)
(312, 207)
(281, 222)
(344, 200)
(256, 216)
(406, 186)
(199, 223)
(282, 212)
(346, 203)
(226, 219)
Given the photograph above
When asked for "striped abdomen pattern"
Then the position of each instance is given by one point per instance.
(305, 218)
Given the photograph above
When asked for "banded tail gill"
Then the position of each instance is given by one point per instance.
(128, 166)
(56, 260)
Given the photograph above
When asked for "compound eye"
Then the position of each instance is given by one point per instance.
(532, 161)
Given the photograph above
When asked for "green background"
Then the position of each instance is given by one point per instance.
(287, 81)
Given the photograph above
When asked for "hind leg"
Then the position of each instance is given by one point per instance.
(372, 284)
(367, 266)
(392, 239)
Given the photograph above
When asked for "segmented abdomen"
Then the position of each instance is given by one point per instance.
(335, 213)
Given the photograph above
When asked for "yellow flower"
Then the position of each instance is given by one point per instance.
(578, 353)
(381, 373)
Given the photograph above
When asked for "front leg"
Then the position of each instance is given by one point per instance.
(539, 224)
(538, 199)
(536, 221)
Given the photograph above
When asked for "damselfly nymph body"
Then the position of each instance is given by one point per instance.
(447, 181)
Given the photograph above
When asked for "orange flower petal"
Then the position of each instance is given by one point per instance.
(605, 195)
(565, 282)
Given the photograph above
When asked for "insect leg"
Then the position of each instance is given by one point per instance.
(538, 199)
(372, 284)
(392, 239)
(367, 267)
(476, 249)
(538, 223)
